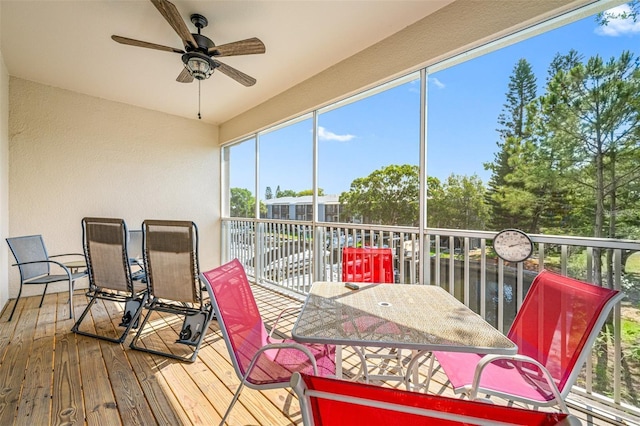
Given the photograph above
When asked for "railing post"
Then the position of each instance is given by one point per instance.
(617, 328)
(259, 251)
(319, 270)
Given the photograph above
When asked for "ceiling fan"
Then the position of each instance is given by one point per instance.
(200, 53)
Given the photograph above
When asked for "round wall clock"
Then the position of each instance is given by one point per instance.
(513, 245)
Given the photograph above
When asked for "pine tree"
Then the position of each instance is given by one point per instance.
(514, 130)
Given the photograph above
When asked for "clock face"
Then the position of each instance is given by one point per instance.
(513, 245)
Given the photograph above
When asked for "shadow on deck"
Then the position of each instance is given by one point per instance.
(50, 375)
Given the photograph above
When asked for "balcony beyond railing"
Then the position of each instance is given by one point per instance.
(293, 254)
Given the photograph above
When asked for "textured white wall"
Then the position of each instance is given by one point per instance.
(72, 155)
(4, 181)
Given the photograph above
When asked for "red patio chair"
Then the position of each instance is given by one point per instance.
(372, 265)
(260, 360)
(554, 329)
(325, 401)
(367, 265)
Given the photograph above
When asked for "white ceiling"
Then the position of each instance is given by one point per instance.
(68, 44)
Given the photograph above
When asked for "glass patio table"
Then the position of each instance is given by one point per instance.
(422, 318)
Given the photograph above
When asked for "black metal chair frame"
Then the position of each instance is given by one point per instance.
(133, 300)
(197, 313)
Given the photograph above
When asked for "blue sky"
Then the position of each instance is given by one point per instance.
(463, 106)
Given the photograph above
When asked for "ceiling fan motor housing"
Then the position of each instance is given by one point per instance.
(197, 60)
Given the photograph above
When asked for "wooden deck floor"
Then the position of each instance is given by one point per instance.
(49, 375)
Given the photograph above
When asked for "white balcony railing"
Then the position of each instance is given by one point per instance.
(294, 254)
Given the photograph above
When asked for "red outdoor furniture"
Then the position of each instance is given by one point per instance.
(325, 401)
(554, 329)
(367, 265)
(260, 360)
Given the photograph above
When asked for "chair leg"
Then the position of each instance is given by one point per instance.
(128, 327)
(76, 326)
(432, 361)
(71, 282)
(237, 394)
(44, 293)
(16, 304)
(132, 345)
(411, 377)
(233, 402)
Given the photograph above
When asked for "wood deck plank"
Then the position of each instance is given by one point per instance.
(164, 405)
(166, 408)
(99, 399)
(211, 388)
(67, 405)
(6, 328)
(270, 415)
(131, 403)
(217, 358)
(198, 408)
(35, 400)
(15, 359)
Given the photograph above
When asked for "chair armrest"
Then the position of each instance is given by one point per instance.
(45, 261)
(516, 359)
(282, 312)
(297, 346)
(67, 254)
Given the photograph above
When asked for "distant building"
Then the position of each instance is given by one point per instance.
(301, 208)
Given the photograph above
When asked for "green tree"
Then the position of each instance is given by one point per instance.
(436, 217)
(592, 113)
(242, 203)
(458, 203)
(388, 196)
(540, 195)
(309, 192)
(514, 122)
(286, 193)
(604, 18)
(268, 194)
(592, 116)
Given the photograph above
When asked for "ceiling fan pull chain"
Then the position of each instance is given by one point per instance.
(199, 117)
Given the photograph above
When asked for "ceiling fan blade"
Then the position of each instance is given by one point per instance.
(132, 42)
(185, 76)
(238, 76)
(249, 46)
(171, 14)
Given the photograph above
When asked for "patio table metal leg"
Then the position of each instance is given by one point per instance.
(412, 376)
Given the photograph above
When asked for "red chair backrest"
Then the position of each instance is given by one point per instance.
(559, 318)
(338, 402)
(237, 312)
(367, 265)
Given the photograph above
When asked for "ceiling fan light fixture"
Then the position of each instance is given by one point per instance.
(199, 65)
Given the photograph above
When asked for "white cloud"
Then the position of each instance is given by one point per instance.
(326, 135)
(438, 83)
(616, 26)
(415, 84)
